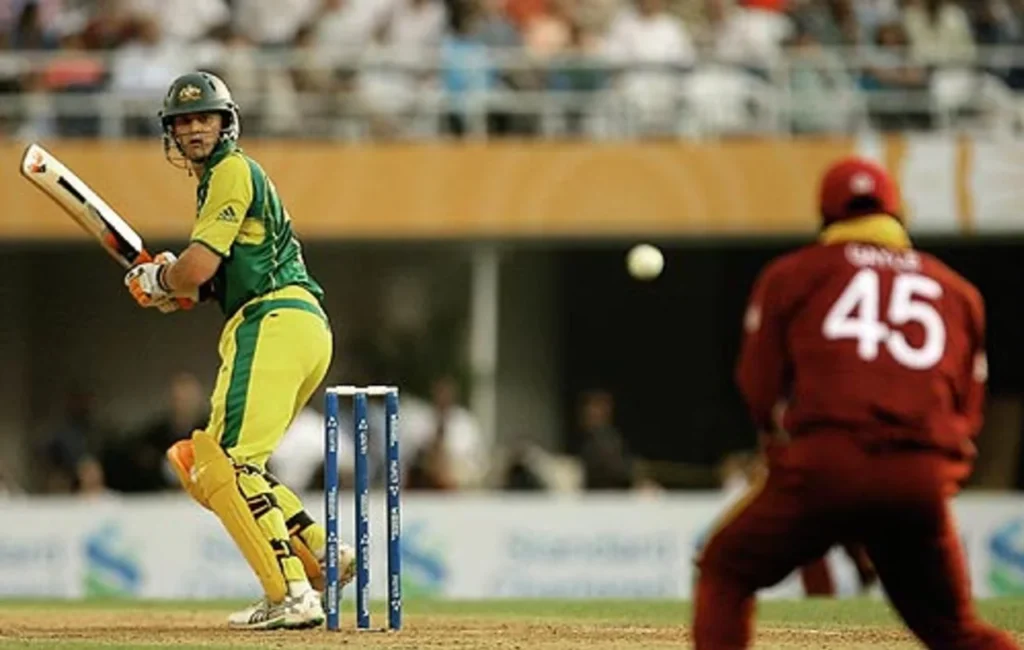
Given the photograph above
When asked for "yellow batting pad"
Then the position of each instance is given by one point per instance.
(214, 478)
(308, 538)
(263, 506)
(182, 458)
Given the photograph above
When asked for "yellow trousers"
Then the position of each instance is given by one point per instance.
(274, 352)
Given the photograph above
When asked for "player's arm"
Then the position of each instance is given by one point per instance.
(196, 266)
(220, 218)
(760, 372)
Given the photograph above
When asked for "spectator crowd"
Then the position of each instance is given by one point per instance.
(443, 448)
(396, 68)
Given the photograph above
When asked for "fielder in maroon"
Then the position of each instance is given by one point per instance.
(876, 353)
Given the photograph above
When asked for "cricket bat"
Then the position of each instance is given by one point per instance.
(91, 212)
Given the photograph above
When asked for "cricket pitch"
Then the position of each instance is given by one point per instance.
(501, 625)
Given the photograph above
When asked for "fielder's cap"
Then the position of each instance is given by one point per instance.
(855, 187)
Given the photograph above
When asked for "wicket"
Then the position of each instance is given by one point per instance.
(361, 429)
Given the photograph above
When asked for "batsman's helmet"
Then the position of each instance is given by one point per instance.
(199, 92)
(855, 187)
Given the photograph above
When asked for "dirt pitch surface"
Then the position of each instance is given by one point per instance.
(521, 625)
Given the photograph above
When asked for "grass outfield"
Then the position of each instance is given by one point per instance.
(546, 625)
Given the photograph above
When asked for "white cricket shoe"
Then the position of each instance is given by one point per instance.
(304, 612)
(260, 615)
(294, 613)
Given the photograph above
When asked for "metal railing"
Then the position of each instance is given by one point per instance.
(388, 93)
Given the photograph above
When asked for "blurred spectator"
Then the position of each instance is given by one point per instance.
(697, 18)
(142, 69)
(521, 12)
(106, 26)
(653, 47)
(67, 461)
(138, 464)
(466, 73)
(273, 24)
(236, 64)
(272, 27)
(752, 34)
(895, 83)
(504, 42)
(993, 22)
(91, 480)
(996, 24)
(871, 14)
(579, 73)
(818, 78)
(706, 37)
(341, 33)
(938, 32)
(443, 441)
(55, 107)
(495, 29)
(521, 471)
(547, 33)
(304, 90)
(185, 21)
(831, 23)
(34, 27)
(344, 27)
(607, 462)
(560, 43)
(409, 35)
(314, 82)
(23, 27)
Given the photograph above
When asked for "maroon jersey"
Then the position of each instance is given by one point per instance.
(882, 343)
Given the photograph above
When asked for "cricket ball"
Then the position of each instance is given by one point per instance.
(645, 262)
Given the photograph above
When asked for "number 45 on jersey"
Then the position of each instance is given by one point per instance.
(860, 315)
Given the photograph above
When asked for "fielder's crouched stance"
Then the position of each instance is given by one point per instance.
(275, 350)
(878, 351)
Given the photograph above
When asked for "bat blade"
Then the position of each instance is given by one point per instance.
(86, 207)
(79, 200)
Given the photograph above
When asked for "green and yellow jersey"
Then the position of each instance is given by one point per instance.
(241, 218)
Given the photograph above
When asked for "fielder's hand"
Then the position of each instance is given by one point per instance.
(145, 283)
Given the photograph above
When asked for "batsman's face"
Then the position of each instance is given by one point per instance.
(197, 134)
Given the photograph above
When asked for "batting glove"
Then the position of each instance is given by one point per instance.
(146, 284)
(167, 305)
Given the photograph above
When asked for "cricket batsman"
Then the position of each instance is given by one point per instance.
(275, 350)
(877, 352)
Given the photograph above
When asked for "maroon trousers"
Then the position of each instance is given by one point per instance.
(824, 490)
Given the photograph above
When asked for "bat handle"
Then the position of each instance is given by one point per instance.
(144, 257)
